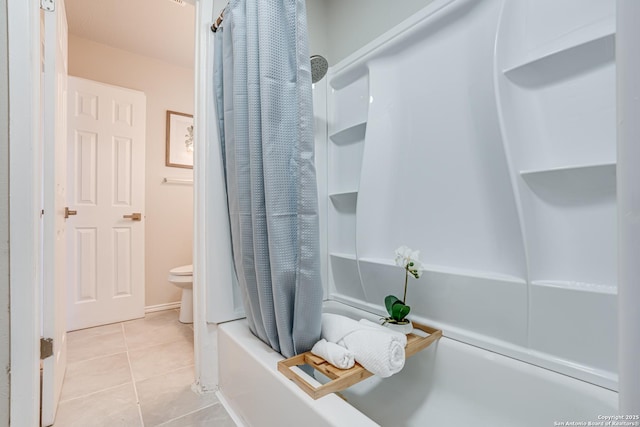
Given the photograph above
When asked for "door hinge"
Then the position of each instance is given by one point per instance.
(48, 5)
(46, 348)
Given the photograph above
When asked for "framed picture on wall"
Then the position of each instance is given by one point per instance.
(179, 140)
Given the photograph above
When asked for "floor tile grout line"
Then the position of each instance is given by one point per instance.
(124, 337)
(102, 355)
(133, 350)
(96, 391)
(135, 388)
(91, 337)
(96, 357)
(87, 333)
(153, 345)
(187, 414)
(158, 328)
(113, 387)
(191, 365)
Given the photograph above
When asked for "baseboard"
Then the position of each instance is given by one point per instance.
(162, 307)
(234, 416)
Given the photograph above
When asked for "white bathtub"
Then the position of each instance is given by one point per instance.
(448, 384)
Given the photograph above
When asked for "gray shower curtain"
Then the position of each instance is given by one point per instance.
(262, 81)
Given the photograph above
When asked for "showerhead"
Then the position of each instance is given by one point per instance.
(319, 67)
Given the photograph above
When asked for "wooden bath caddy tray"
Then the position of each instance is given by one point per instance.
(342, 379)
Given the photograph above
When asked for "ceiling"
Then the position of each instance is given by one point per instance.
(160, 29)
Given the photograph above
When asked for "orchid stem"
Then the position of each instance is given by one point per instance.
(406, 278)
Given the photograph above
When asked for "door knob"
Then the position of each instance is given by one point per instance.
(68, 212)
(136, 216)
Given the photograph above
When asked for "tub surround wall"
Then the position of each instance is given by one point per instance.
(555, 82)
(487, 141)
(321, 162)
(4, 221)
(169, 207)
(628, 195)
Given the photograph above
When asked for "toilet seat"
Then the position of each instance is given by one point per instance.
(185, 270)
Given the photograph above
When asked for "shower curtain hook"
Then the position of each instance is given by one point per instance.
(216, 24)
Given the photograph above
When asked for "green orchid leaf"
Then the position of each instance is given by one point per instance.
(399, 311)
(389, 301)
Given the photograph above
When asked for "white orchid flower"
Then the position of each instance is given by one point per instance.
(402, 254)
(408, 259)
(405, 255)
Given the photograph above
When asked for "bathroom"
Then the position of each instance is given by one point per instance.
(504, 215)
(518, 302)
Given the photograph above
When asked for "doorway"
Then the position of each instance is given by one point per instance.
(107, 44)
(108, 53)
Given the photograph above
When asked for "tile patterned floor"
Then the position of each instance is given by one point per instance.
(135, 374)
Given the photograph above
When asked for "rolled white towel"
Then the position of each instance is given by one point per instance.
(378, 351)
(382, 328)
(335, 327)
(335, 354)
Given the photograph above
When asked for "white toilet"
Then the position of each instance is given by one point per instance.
(182, 277)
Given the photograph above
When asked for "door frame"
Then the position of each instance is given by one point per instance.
(54, 250)
(25, 177)
(25, 224)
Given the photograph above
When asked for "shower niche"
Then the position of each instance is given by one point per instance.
(347, 125)
(482, 133)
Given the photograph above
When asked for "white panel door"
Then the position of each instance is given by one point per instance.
(54, 103)
(106, 146)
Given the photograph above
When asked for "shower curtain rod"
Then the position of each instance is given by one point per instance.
(217, 22)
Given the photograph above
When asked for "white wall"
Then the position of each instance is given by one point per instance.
(317, 11)
(338, 28)
(4, 222)
(354, 23)
(169, 208)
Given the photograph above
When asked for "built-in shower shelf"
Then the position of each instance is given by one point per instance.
(350, 134)
(597, 35)
(591, 168)
(344, 195)
(341, 379)
(453, 271)
(577, 286)
(345, 203)
(342, 255)
(595, 178)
